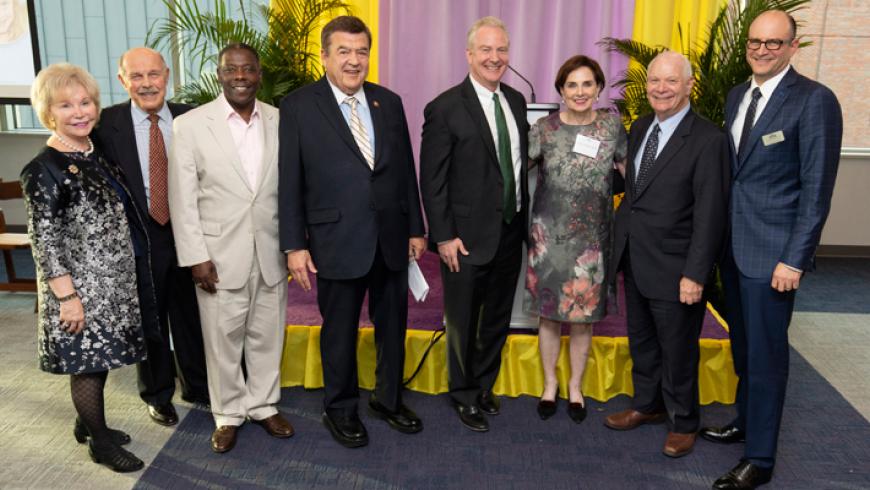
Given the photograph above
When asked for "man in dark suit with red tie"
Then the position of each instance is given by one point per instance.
(473, 181)
(668, 235)
(350, 213)
(786, 132)
(135, 136)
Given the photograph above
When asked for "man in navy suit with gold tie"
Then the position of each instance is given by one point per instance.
(786, 132)
(350, 213)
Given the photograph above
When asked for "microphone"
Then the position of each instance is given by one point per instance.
(532, 87)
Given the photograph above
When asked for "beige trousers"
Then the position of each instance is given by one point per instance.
(249, 320)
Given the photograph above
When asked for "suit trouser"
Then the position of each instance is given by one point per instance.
(663, 341)
(250, 320)
(477, 308)
(758, 317)
(340, 304)
(178, 316)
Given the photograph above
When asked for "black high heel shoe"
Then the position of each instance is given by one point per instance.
(546, 408)
(114, 457)
(577, 412)
(80, 432)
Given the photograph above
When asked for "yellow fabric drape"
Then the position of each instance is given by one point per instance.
(608, 371)
(367, 10)
(655, 22)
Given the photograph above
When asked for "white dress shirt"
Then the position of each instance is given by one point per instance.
(485, 97)
(248, 137)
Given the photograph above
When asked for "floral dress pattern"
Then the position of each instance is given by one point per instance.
(572, 215)
(77, 226)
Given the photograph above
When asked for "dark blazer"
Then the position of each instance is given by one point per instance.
(674, 225)
(330, 202)
(460, 177)
(118, 140)
(782, 191)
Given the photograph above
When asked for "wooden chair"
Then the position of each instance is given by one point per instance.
(13, 241)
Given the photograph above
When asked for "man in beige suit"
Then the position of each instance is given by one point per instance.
(223, 191)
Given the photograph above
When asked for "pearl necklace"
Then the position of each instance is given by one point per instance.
(75, 148)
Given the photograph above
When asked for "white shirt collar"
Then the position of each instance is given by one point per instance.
(483, 92)
(230, 112)
(140, 116)
(360, 94)
(674, 120)
(770, 85)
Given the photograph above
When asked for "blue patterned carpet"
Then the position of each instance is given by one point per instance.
(825, 443)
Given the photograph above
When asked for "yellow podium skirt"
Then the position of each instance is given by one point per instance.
(608, 371)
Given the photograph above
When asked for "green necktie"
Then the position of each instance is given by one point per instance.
(505, 162)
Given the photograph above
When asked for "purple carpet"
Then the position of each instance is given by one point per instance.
(302, 309)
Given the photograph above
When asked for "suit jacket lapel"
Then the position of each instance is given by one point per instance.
(220, 130)
(126, 149)
(270, 147)
(675, 142)
(472, 104)
(771, 109)
(327, 104)
(377, 121)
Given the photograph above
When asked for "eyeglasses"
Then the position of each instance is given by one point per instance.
(770, 44)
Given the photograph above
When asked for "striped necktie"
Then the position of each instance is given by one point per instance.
(360, 135)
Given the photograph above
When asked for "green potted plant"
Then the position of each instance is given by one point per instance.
(286, 48)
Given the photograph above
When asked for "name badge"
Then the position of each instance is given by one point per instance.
(586, 146)
(773, 138)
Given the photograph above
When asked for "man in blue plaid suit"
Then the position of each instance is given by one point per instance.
(786, 132)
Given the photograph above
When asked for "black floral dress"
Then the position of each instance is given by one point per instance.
(78, 226)
(572, 216)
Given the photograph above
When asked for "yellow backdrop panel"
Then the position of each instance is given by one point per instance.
(655, 22)
(608, 371)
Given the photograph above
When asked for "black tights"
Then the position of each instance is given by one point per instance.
(87, 397)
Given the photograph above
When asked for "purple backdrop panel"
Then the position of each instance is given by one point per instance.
(422, 44)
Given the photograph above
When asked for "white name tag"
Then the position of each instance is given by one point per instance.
(773, 138)
(586, 146)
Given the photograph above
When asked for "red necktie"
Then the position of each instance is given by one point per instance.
(157, 165)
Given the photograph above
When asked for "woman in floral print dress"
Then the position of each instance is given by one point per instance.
(89, 320)
(575, 151)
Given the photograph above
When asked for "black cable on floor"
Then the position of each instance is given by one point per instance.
(436, 336)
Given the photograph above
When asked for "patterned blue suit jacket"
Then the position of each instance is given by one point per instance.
(781, 192)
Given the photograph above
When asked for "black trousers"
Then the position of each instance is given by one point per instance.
(179, 316)
(340, 303)
(477, 309)
(663, 342)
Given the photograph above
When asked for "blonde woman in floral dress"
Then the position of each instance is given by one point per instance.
(575, 151)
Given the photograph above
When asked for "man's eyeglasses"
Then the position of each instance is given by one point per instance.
(770, 44)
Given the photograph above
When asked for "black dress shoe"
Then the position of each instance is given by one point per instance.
(577, 412)
(347, 430)
(403, 420)
(199, 401)
(744, 476)
(80, 432)
(488, 402)
(115, 457)
(472, 417)
(723, 435)
(163, 414)
(546, 408)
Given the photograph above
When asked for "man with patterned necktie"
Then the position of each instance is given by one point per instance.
(350, 213)
(135, 135)
(668, 235)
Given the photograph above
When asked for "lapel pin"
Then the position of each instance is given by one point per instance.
(376, 103)
(73, 169)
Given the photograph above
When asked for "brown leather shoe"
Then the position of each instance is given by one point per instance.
(631, 418)
(276, 426)
(224, 438)
(679, 444)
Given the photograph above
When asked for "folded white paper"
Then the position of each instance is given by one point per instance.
(416, 282)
